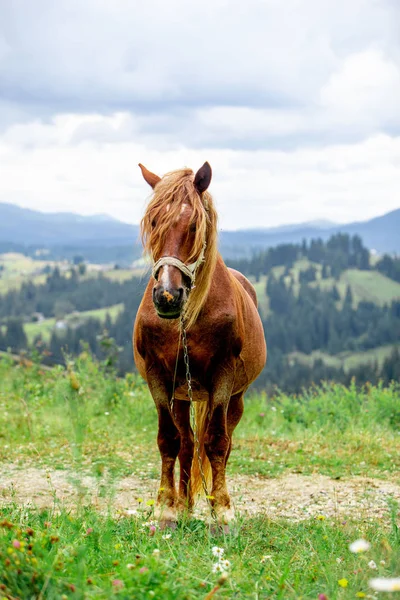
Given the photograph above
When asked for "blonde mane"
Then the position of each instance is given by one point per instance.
(174, 189)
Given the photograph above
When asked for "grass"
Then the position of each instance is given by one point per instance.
(45, 421)
(57, 555)
(46, 327)
(368, 286)
(347, 360)
(91, 422)
(19, 269)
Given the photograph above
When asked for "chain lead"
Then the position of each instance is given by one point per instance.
(193, 416)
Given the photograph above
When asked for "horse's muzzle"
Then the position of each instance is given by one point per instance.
(168, 302)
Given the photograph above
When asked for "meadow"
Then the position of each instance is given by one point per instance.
(47, 326)
(309, 475)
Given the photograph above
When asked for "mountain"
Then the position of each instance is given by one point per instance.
(30, 227)
(380, 233)
(20, 226)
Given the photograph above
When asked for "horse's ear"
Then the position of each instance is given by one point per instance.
(149, 177)
(203, 178)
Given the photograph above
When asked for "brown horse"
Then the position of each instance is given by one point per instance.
(192, 289)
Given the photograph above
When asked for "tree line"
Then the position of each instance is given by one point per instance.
(302, 317)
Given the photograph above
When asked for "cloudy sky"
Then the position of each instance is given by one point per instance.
(295, 104)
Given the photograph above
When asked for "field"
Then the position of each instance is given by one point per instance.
(369, 286)
(19, 269)
(79, 463)
(346, 360)
(46, 327)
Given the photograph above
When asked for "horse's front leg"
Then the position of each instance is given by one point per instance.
(182, 419)
(217, 444)
(168, 440)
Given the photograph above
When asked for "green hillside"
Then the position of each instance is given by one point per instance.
(16, 269)
(346, 360)
(368, 286)
(47, 326)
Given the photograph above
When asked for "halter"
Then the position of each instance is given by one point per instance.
(188, 270)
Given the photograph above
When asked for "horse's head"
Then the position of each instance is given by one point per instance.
(174, 231)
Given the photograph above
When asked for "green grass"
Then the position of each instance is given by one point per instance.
(86, 421)
(87, 555)
(46, 327)
(368, 286)
(347, 360)
(19, 269)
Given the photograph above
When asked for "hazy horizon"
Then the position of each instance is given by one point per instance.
(314, 222)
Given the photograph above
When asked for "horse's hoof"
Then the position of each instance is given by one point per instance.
(168, 524)
(165, 514)
(224, 521)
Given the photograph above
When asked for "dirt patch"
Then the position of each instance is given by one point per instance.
(291, 496)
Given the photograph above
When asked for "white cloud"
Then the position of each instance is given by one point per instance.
(294, 103)
(57, 170)
(364, 91)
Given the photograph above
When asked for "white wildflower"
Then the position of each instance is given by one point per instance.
(218, 552)
(166, 536)
(382, 562)
(382, 584)
(359, 546)
(225, 564)
(218, 568)
(156, 552)
(265, 558)
(339, 560)
(372, 564)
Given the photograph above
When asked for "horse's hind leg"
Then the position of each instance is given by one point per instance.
(182, 420)
(168, 443)
(217, 445)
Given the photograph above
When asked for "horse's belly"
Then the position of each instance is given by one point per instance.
(200, 394)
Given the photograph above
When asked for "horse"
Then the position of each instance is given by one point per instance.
(194, 301)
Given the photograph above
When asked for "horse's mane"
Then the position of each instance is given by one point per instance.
(176, 188)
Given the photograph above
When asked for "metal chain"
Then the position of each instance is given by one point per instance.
(193, 417)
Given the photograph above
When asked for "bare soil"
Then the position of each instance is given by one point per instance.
(292, 496)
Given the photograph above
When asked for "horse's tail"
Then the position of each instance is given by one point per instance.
(196, 483)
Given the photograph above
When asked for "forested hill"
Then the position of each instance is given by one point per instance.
(329, 310)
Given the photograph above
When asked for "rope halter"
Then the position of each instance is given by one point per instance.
(188, 270)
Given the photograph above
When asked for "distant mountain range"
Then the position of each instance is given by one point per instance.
(20, 226)
(381, 234)
(34, 228)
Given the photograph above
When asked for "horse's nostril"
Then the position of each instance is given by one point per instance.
(168, 296)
